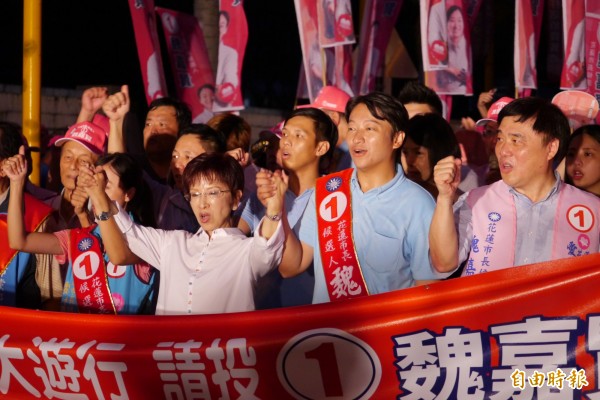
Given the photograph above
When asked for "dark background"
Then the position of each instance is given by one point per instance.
(86, 43)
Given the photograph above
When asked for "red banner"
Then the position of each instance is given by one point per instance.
(233, 37)
(378, 22)
(592, 47)
(573, 70)
(146, 38)
(456, 77)
(526, 332)
(191, 68)
(434, 34)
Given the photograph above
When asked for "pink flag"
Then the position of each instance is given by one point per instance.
(456, 77)
(343, 68)
(377, 25)
(573, 70)
(434, 34)
(592, 47)
(233, 36)
(146, 38)
(525, 47)
(335, 22)
(313, 56)
(192, 73)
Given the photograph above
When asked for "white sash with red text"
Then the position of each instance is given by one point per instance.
(343, 276)
(89, 273)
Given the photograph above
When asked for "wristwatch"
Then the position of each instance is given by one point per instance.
(104, 216)
(276, 217)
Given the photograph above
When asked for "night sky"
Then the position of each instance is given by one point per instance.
(86, 43)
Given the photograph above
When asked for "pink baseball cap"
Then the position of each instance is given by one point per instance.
(88, 134)
(330, 98)
(494, 110)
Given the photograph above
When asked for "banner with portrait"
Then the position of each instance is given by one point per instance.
(336, 27)
(190, 65)
(573, 70)
(456, 77)
(379, 20)
(526, 332)
(315, 59)
(146, 39)
(233, 37)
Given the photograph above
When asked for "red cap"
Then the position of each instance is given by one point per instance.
(90, 135)
(494, 110)
(330, 98)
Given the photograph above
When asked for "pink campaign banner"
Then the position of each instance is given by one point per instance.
(529, 332)
(434, 34)
(378, 22)
(313, 56)
(592, 47)
(192, 73)
(146, 38)
(233, 37)
(456, 77)
(335, 23)
(573, 70)
(528, 23)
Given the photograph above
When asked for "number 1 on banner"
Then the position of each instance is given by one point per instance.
(581, 218)
(333, 206)
(325, 356)
(86, 265)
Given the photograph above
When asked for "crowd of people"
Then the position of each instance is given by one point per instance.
(346, 197)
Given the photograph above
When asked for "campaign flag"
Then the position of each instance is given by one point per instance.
(592, 47)
(314, 58)
(376, 29)
(457, 77)
(434, 34)
(342, 73)
(233, 37)
(525, 49)
(335, 22)
(146, 38)
(190, 64)
(573, 70)
(528, 332)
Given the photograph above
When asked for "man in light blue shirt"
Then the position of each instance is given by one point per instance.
(390, 214)
(306, 148)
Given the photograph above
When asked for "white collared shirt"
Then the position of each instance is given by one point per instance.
(202, 275)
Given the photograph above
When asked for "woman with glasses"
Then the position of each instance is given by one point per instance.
(213, 270)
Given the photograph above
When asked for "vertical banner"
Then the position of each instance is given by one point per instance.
(592, 47)
(457, 77)
(335, 22)
(434, 34)
(233, 37)
(313, 57)
(525, 45)
(191, 68)
(573, 70)
(376, 29)
(146, 38)
(342, 73)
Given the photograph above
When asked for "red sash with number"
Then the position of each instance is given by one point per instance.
(36, 213)
(343, 276)
(89, 273)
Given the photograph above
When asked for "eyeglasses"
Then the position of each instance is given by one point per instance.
(212, 195)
